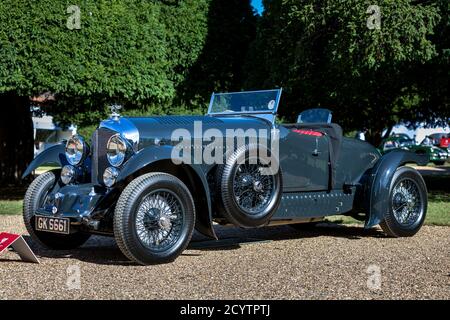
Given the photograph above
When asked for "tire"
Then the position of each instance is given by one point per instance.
(232, 206)
(139, 219)
(416, 209)
(439, 163)
(34, 198)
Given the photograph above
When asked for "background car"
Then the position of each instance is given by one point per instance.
(436, 155)
(445, 142)
(441, 140)
(47, 133)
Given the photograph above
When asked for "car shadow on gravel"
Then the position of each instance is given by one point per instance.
(104, 250)
(97, 250)
(234, 238)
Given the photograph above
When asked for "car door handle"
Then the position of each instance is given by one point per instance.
(316, 151)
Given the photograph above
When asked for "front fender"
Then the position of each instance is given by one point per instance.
(379, 182)
(53, 155)
(144, 158)
(149, 155)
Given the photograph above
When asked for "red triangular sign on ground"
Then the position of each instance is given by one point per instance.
(19, 245)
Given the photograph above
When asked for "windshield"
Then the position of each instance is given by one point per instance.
(245, 102)
(406, 142)
(389, 145)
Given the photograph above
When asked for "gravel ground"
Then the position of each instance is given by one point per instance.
(324, 262)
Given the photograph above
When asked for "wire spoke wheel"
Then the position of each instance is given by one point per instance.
(154, 218)
(250, 187)
(406, 202)
(252, 190)
(159, 220)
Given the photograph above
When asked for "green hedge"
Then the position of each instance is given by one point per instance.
(135, 52)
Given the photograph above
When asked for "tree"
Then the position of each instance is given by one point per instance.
(16, 137)
(231, 30)
(332, 53)
(135, 52)
(432, 79)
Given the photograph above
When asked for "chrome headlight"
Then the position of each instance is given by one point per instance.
(68, 174)
(116, 150)
(110, 176)
(76, 148)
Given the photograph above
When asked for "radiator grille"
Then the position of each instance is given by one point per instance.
(99, 160)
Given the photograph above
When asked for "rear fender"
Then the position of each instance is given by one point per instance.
(54, 155)
(379, 182)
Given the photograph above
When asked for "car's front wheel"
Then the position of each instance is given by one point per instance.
(407, 204)
(154, 219)
(34, 199)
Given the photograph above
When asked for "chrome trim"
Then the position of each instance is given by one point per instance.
(407, 202)
(68, 174)
(84, 152)
(159, 220)
(125, 128)
(123, 155)
(112, 173)
(115, 108)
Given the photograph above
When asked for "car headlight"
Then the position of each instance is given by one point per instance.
(76, 148)
(68, 174)
(116, 150)
(110, 176)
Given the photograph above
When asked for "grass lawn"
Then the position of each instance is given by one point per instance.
(10, 207)
(438, 215)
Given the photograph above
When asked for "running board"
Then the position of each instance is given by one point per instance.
(315, 204)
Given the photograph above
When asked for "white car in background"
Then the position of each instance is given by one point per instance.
(47, 133)
(420, 133)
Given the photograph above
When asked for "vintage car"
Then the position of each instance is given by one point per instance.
(149, 182)
(436, 155)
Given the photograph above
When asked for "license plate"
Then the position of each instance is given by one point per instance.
(50, 224)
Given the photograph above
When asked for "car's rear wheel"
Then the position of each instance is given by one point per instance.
(407, 204)
(154, 219)
(35, 198)
(248, 195)
(439, 163)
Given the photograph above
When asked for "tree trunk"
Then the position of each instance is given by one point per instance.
(16, 138)
(388, 132)
(374, 136)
